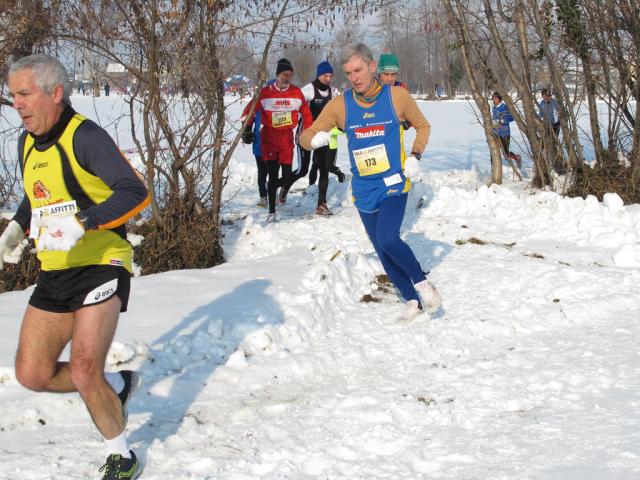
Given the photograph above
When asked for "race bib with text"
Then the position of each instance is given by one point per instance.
(281, 119)
(43, 216)
(371, 160)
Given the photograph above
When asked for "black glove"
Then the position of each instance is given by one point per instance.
(247, 135)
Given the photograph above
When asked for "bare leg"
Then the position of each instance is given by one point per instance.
(93, 332)
(43, 336)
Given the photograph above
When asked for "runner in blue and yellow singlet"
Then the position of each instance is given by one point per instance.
(376, 150)
(371, 115)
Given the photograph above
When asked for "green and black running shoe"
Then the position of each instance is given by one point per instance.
(119, 468)
(132, 381)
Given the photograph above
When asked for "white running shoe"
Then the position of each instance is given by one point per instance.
(411, 310)
(431, 299)
(271, 217)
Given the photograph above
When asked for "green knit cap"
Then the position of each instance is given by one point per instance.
(388, 63)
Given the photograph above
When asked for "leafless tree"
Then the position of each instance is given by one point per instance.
(25, 27)
(343, 35)
(585, 51)
(178, 55)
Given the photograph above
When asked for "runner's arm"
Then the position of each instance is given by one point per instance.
(98, 154)
(23, 214)
(332, 115)
(407, 109)
(305, 111)
(245, 112)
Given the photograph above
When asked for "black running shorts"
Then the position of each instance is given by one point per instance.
(63, 291)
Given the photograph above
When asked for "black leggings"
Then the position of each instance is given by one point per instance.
(262, 176)
(323, 158)
(304, 157)
(273, 182)
(333, 168)
(505, 141)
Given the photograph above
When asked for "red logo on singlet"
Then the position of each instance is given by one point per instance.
(40, 192)
(366, 132)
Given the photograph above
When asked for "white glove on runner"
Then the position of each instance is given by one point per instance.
(320, 139)
(12, 242)
(411, 167)
(62, 234)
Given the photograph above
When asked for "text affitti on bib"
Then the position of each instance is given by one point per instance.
(43, 216)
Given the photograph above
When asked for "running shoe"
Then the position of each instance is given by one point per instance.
(271, 217)
(430, 296)
(411, 310)
(323, 210)
(119, 468)
(262, 203)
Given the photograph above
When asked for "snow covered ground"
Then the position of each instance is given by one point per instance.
(271, 366)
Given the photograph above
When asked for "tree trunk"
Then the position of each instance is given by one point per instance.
(463, 40)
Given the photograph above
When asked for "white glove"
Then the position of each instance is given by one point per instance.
(411, 167)
(496, 123)
(320, 139)
(12, 242)
(62, 234)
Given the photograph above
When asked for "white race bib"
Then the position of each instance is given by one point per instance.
(392, 180)
(43, 216)
(371, 160)
(281, 119)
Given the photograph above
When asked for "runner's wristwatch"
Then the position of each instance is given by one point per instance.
(416, 155)
(82, 218)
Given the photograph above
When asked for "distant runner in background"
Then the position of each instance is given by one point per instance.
(251, 135)
(502, 117)
(549, 115)
(280, 106)
(333, 168)
(318, 93)
(389, 70)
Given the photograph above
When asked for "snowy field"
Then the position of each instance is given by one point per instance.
(271, 367)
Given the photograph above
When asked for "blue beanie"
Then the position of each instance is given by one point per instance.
(323, 67)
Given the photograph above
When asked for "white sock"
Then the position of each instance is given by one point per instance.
(115, 380)
(118, 445)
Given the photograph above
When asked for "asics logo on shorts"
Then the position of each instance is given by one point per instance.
(101, 293)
